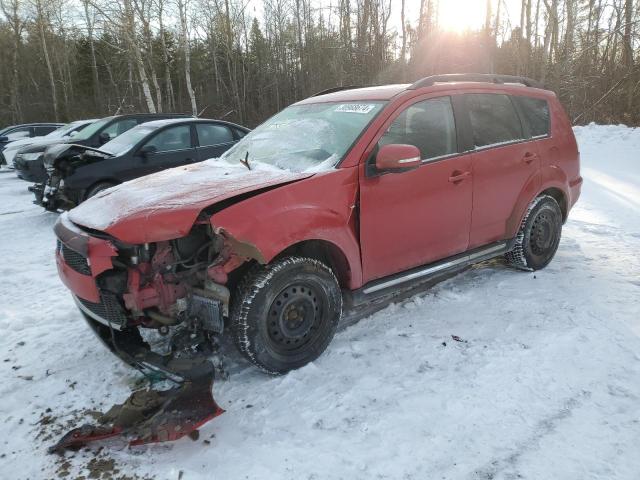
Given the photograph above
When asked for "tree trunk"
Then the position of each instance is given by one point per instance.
(47, 59)
(184, 36)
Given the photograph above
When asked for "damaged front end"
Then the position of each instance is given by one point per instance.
(60, 162)
(161, 308)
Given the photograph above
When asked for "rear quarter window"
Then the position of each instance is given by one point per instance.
(536, 113)
(494, 119)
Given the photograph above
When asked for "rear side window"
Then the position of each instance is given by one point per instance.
(536, 114)
(428, 125)
(493, 119)
(211, 134)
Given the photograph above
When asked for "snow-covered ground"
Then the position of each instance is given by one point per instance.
(544, 384)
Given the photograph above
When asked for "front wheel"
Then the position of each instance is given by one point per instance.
(284, 314)
(539, 235)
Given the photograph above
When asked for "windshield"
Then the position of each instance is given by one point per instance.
(129, 139)
(306, 137)
(88, 132)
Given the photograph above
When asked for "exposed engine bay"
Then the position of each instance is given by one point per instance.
(175, 290)
(60, 161)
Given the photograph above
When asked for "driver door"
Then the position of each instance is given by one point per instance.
(416, 217)
(171, 147)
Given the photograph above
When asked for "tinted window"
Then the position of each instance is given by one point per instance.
(536, 114)
(210, 134)
(428, 125)
(493, 119)
(119, 127)
(240, 133)
(44, 130)
(173, 138)
(129, 139)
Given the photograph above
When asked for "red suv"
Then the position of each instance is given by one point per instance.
(343, 198)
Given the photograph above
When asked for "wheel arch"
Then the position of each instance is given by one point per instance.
(551, 181)
(326, 252)
(559, 197)
(111, 181)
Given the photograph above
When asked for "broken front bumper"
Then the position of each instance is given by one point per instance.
(80, 258)
(147, 416)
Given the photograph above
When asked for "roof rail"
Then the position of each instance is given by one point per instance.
(475, 77)
(335, 89)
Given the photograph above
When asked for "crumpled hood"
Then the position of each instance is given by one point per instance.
(165, 205)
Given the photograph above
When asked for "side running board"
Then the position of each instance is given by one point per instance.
(403, 280)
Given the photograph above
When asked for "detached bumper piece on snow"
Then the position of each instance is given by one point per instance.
(152, 416)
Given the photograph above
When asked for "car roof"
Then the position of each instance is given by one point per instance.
(428, 84)
(173, 121)
(41, 124)
(166, 121)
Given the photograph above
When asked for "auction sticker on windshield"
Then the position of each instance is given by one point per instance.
(355, 108)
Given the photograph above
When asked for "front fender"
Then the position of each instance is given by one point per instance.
(322, 207)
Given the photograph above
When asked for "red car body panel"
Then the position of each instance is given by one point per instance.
(381, 224)
(323, 207)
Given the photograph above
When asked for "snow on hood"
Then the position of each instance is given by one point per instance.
(165, 205)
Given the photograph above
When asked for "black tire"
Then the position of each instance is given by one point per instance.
(95, 189)
(539, 235)
(285, 314)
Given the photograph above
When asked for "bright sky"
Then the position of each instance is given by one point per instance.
(456, 15)
(461, 15)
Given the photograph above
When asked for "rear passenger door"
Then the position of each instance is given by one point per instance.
(213, 140)
(505, 163)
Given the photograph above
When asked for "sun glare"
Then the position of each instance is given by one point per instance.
(461, 15)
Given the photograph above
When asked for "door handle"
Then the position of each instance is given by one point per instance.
(529, 157)
(457, 176)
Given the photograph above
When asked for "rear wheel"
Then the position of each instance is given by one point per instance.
(285, 314)
(95, 189)
(539, 235)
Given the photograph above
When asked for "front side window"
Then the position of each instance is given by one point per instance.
(428, 125)
(173, 138)
(536, 114)
(210, 134)
(493, 119)
(308, 137)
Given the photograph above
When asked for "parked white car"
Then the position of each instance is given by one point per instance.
(68, 130)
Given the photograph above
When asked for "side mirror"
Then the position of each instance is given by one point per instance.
(398, 158)
(147, 150)
(4, 139)
(104, 138)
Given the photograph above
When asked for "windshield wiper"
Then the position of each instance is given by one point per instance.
(245, 162)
